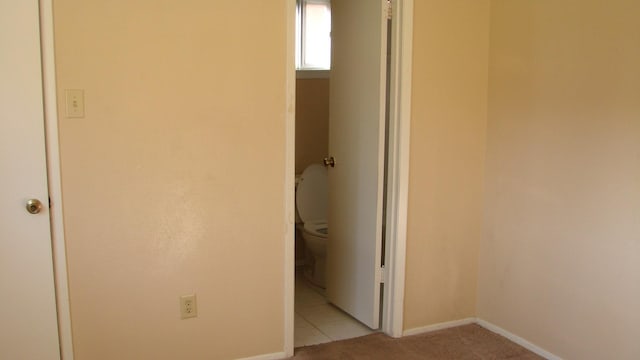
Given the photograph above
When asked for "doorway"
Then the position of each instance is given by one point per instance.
(397, 173)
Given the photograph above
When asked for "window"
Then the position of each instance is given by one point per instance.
(313, 35)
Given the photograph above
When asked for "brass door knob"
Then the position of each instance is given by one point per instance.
(34, 206)
(330, 161)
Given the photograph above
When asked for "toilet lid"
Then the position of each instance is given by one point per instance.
(312, 194)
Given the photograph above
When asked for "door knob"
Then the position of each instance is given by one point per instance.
(34, 206)
(330, 161)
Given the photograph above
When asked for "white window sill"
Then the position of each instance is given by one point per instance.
(312, 74)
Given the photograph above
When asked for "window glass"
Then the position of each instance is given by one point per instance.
(314, 41)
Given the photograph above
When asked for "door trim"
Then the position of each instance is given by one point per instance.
(54, 179)
(398, 167)
(289, 176)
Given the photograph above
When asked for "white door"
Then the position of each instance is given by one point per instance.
(28, 323)
(356, 141)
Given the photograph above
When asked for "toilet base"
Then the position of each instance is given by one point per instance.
(314, 270)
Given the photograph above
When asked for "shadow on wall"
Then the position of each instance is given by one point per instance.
(312, 122)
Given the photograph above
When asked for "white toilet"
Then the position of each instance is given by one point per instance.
(312, 196)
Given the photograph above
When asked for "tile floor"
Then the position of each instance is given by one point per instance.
(317, 321)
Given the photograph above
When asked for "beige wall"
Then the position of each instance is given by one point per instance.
(312, 122)
(161, 197)
(173, 182)
(447, 159)
(560, 258)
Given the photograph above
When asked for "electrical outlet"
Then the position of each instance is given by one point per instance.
(188, 308)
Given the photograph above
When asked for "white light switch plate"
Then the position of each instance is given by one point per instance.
(75, 103)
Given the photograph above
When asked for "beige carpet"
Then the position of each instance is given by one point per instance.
(468, 342)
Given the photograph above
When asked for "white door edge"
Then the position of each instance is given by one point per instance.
(289, 176)
(54, 182)
(398, 180)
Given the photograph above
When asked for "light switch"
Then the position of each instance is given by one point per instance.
(75, 103)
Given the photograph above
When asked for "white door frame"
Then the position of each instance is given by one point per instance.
(54, 182)
(398, 171)
(398, 165)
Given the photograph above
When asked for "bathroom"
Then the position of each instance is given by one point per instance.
(313, 58)
(316, 320)
(345, 154)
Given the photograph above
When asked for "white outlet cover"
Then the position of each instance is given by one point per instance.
(188, 306)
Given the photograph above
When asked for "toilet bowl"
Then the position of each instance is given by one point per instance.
(311, 204)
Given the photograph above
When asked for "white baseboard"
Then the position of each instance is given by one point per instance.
(439, 326)
(445, 325)
(272, 356)
(518, 340)
(489, 326)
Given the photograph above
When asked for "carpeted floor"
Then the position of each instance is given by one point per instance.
(468, 342)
